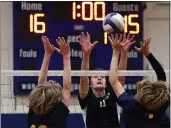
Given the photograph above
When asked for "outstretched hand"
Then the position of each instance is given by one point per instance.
(85, 43)
(117, 42)
(49, 49)
(129, 40)
(144, 47)
(64, 47)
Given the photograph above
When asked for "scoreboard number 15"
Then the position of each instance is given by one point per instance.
(128, 21)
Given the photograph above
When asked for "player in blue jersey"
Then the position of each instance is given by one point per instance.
(148, 108)
(48, 101)
(95, 95)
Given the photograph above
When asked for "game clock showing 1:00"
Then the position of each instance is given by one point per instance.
(87, 12)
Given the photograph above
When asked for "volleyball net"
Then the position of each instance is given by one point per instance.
(11, 103)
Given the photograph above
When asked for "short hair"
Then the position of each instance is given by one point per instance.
(152, 95)
(44, 97)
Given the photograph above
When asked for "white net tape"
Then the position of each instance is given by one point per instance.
(80, 73)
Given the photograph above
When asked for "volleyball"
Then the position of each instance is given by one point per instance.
(113, 22)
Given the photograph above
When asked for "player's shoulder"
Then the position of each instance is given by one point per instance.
(57, 117)
(60, 107)
(126, 101)
(125, 96)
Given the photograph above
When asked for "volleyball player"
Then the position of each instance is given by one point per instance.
(48, 101)
(96, 96)
(148, 108)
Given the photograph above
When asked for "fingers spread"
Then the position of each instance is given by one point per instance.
(116, 37)
(81, 39)
(58, 42)
(149, 40)
(88, 36)
(132, 38)
(68, 42)
(124, 36)
(112, 37)
(94, 44)
(63, 40)
(128, 36)
(120, 37)
(110, 40)
(43, 40)
(83, 36)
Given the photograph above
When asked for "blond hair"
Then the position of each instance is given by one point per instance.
(152, 95)
(44, 97)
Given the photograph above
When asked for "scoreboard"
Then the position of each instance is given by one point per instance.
(68, 19)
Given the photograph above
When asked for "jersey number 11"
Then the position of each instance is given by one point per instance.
(102, 103)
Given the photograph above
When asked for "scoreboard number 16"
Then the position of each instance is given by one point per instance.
(34, 23)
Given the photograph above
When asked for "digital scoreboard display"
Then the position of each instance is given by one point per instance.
(68, 19)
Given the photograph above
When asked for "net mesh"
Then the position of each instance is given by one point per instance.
(19, 104)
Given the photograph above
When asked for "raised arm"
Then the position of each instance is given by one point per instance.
(154, 63)
(49, 49)
(124, 51)
(161, 75)
(86, 48)
(65, 51)
(113, 73)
